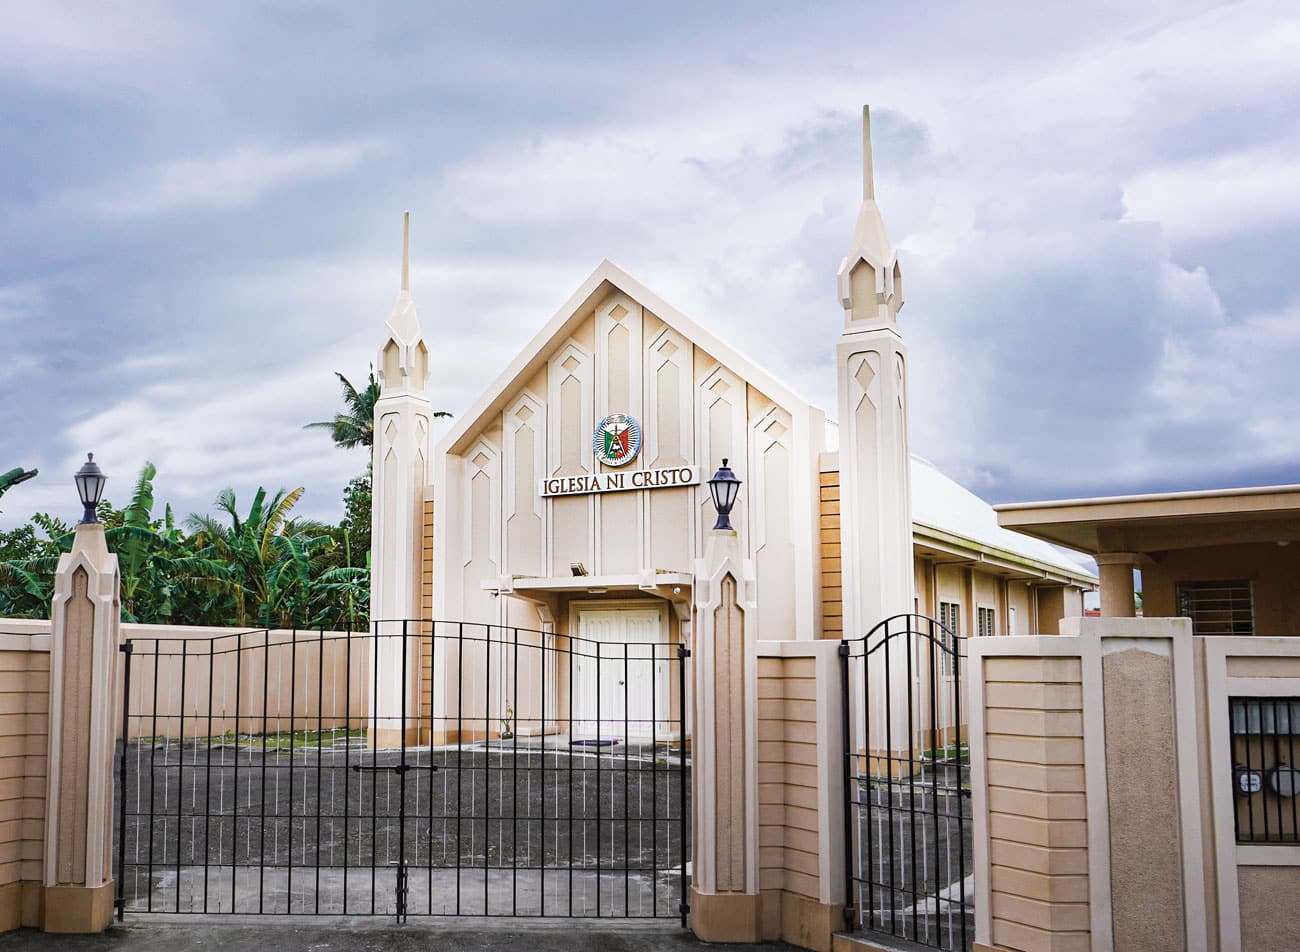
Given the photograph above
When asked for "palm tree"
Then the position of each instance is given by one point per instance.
(355, 426)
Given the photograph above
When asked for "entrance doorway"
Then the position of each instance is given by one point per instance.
(620, 677)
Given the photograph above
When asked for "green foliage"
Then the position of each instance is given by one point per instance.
(355, 426)
(257, 568)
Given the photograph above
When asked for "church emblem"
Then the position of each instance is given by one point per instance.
(617, 440)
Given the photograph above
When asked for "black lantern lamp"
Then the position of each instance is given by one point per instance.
(90, 487)
(724, 487)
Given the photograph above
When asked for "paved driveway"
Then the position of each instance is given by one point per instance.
(248, 934)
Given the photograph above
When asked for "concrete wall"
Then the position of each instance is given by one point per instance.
(24, 725)
(800, 776)
(1270, 568)
(1102, 780)
(223, 682)
(1036, 802)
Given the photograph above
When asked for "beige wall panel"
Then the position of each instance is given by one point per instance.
(1270, 568)
(23, 744)
(570, 539)
(1142, 780)
(1033, 670)
(670, 540)
(1018, 597)
(620, 551)
(774, 541)
(523, 467)
(572, 430)
(1055, 696)
(1268, 907)
(1039, 859)
(481, 567)
(1051, 609)
(721, 432)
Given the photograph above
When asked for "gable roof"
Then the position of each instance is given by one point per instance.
(606, 278)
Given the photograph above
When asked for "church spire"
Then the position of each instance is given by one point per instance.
(868, 174)
(406, 251)
(404, 357)
(870, 282)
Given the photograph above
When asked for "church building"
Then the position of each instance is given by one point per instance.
(570, 499)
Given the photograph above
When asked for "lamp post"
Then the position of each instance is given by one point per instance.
(90, 481)
(724, 487)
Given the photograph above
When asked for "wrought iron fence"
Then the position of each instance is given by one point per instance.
(419, 768)
(907, 784)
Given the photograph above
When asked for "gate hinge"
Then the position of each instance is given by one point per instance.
(126, 648)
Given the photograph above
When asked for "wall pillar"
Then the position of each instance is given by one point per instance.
(1117, 595)
(725, 901)
(1085, 770)
(78, 888)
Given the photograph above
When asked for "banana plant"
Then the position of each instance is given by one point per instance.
(266, 559)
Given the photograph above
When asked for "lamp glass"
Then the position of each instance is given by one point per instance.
(90, 480)
(724, 487)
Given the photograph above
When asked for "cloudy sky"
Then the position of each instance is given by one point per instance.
(1097, 211)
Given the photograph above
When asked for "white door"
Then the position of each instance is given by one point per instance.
(618, 669)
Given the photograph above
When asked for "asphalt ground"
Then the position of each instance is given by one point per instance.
(254, 934)
(512, 828)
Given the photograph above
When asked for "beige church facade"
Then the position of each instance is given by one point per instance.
(520, 518)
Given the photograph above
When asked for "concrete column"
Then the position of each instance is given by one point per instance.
(399, 476)
(78, 883)
(1117, 595)
(725, 902)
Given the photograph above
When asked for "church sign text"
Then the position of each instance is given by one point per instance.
(617, 482)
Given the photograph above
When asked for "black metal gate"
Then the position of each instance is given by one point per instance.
(907, 784)
(419, 768)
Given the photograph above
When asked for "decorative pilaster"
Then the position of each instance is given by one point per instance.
(400, 474)
(78, 884)
(725, 901)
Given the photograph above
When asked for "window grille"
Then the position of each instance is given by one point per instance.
(1217, 608)
(949, 618)
(984, 622)
(1265, 780)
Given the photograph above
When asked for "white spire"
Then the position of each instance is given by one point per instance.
(406, 251)
(868, 175)
(403, 357)
(870, 243)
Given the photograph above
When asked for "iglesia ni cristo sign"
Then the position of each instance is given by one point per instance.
(616, 442)
(614, 482)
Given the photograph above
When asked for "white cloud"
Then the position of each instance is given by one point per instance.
(236, 177)
(1220, 197)
(24, 301)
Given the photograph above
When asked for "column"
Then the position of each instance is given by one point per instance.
(1117, 596)
(78, 885)
(725, 902)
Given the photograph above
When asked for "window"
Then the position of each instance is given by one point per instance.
(984, 622)
(1011, 620)
(1217, 608)
(949, 618)
(1265, 779)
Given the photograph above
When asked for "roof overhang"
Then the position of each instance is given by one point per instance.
(1160, 522)
(945, 548)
